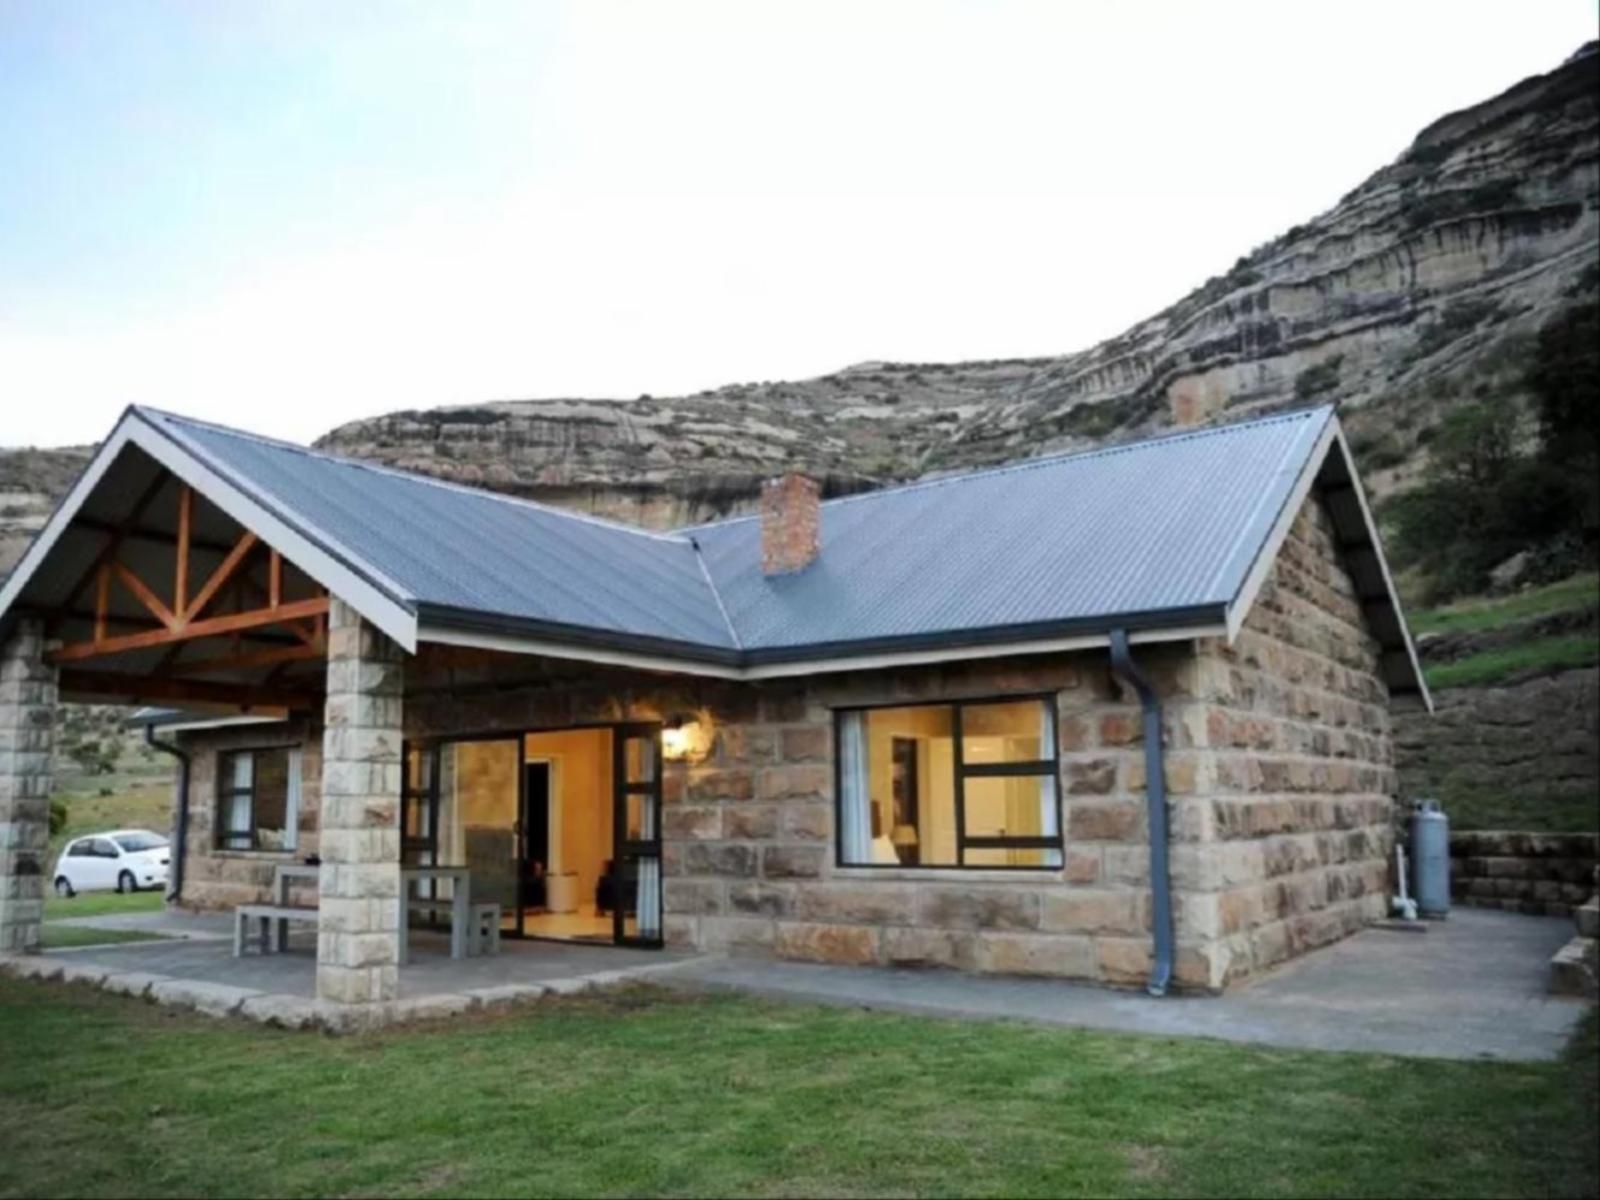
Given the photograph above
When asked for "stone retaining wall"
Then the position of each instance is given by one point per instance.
(1548, 874)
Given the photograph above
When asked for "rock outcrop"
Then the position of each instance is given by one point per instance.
(1419, 288)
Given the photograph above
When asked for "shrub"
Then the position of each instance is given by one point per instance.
(1318, 378)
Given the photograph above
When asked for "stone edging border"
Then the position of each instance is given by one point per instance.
(296, 1012)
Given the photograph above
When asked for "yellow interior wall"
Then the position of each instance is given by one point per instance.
(581, 785)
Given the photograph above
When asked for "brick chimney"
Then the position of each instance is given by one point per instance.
(791, 517)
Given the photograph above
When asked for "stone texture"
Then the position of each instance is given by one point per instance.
(27, 731)
(1547, 874)
(358, 945)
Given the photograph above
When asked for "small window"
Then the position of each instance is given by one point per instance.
(103, 848)
(82, 849)
(258, 799)
(950, 785)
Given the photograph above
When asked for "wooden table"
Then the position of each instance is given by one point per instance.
(460, 904)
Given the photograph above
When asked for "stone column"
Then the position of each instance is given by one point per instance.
(358, 928)
(27, 731)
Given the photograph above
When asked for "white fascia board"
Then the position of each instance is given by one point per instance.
(1383, 566)
(1332, 439)
(219, 723)
(1245, 600)
(387, 613)
(62, 517)
(786, 670)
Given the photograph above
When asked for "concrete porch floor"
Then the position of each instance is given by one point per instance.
(195, 967)
(1472, 987)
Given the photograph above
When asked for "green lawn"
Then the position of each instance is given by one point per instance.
(645, 1093)
(53, 936)
(1493, 666)
(1570, 595)
(99, 904)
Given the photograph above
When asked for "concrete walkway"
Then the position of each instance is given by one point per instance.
(1472, 987)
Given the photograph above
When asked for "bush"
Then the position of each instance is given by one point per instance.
(1318, 378)
(58, 817)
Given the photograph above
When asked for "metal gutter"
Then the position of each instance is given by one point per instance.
(432, 619)
(1155, 775)
(180, 831)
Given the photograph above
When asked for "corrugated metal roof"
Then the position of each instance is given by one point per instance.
(461, 548)
(1160, 526)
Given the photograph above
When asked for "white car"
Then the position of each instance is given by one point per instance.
(124, 859)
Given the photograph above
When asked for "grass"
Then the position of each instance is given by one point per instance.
(146, 806)
(1481, 613)
(1539, 657)
(646, 1093)
(99, 904)
(68, 937)
(1477, 807)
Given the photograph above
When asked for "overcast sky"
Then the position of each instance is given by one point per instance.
(288, 215)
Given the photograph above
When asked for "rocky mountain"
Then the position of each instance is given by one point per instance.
(1418, 289)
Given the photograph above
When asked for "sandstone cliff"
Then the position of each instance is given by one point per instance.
(1420, 287)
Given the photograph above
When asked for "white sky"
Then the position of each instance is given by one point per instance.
(288, 215)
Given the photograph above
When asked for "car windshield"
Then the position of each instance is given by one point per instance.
(135, 842)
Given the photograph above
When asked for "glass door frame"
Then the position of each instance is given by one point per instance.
(626, 850)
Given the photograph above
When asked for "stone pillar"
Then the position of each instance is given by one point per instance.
(27, 731)
(358, 927)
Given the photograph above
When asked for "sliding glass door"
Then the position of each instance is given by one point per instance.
(636, 775)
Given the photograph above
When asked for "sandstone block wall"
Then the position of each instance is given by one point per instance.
(1301, 776)
(27, 732)
(1545, 874)
(358, 931)
(216, 878)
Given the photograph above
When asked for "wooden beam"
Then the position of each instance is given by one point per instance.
(146, 622)
(221, 575)
(180, 582)
(102, 602)
(117, 533)
(249, 659)
(275, 580)
(140, 689)
(212, 627)
(143, 594)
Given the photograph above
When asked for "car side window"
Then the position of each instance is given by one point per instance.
(104, 848)
(81, 849)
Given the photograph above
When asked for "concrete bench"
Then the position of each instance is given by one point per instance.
(274, 920)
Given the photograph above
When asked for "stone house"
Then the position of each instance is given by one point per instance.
(1119, 716)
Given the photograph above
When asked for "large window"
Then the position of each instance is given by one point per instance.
(949, 785)
(258, 799)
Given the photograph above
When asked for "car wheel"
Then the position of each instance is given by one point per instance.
(127, 883)
(64, 888)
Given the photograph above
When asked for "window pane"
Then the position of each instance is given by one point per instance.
(639, 755)
(271, 809)
(910, 786)
(1002, 733)
(1022, 806)
(238, 772)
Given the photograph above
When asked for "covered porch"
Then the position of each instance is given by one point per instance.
(170, 576)
(193, 966)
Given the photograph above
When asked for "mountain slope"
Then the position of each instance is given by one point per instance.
(1419, 288)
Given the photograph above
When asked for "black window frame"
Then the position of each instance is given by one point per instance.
(963, 771)
(223, 840)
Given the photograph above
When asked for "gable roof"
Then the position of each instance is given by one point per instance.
(1168, 538)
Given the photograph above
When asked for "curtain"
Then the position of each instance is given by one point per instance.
(1050, 811)
(649, 898)
(291, 801)
(855, 807)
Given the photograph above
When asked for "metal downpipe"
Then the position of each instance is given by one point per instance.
(1155, 774)
(180, 829)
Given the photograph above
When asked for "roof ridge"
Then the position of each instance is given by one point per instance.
(1044, 460)
(345, 460)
